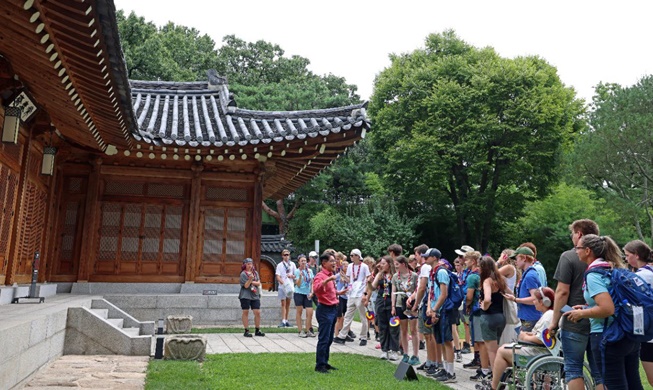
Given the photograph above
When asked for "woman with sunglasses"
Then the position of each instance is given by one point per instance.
(620, 360)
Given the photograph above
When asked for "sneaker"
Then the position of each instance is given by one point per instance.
(303, 334)
(322, 370)
(431, 370)
(473, 364)
(422, 345)
(384, 356)
(377, 337)
(338, 340)
(405, 359)
(459, 357)
(422, 367)
(247, 334)
(351, 334)
(259, 333)
(479, 376)
(362, 343)
(282, 325)
(310, 333)
(413, 360)
(466, 348)
(393, 356)
(484, 385)
(438, 373)
(377, 346)
(447, 378)
(350, 339)
(287, 324)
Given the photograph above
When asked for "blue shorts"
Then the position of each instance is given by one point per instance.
(301, 300)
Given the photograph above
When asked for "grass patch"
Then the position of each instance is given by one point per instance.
(241, 330)
(278, 371)
(642, 375)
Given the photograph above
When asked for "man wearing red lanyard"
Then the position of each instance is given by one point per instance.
(325, 289)
(357, 274)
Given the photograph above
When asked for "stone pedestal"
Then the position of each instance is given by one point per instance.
(179, 324)
(185, 347)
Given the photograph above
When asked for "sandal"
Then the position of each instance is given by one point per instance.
(247, 334)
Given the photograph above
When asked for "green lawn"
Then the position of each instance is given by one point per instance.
(278, 371)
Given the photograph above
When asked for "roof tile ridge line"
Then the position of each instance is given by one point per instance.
(301, 113)
(175, 91)
(119, 66)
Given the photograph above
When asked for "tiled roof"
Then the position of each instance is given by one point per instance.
(205, 114)
(274, 243)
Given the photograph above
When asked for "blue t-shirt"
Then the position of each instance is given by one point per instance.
(596, 284)
(529, 281)
(341, 285)
(307, 278)
(442, 276)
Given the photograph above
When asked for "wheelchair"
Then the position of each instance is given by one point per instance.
(543, 371)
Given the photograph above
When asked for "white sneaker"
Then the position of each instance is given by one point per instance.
(303, 334)
(384, 356)
(393, 356)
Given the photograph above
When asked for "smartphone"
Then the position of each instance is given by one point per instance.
(566, 308)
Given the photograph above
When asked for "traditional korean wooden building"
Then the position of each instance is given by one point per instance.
(150, 181)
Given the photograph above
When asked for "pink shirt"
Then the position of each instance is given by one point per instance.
(325, 292)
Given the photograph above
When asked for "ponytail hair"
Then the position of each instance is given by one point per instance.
(604, 247)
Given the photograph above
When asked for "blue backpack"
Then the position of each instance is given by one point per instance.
(455, 294)
(630, 293)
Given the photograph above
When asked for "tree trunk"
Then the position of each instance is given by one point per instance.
(280, 214)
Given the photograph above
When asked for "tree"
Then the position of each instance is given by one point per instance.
(461, 129)
(171, 53)
(546, 222)
(615, 155)
(371, 227)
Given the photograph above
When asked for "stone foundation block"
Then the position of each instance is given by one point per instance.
(179, 324)
(185, 347)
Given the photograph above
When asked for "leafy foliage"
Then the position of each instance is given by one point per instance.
(546, 222)
(371, 227)
(462, 129)
(615, 155)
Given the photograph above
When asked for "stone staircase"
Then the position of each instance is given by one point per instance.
(104, 329)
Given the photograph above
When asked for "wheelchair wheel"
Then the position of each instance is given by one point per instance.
(587, 377)
(506, 380)
(546, 373)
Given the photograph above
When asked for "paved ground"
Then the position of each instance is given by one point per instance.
(124, 372)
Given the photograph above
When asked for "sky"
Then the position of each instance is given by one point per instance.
(587, 41)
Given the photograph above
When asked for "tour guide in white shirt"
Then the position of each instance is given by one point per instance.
(357, 274)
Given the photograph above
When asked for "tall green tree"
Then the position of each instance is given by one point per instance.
(462, 129)
(615, 155)
(170, 53)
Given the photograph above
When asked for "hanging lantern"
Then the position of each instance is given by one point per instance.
(47, 167)
(11, 125)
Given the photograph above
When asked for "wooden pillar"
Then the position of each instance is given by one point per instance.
(14, 249)
(257, 220)
(47, 258)
(194, 228)
(90, 225)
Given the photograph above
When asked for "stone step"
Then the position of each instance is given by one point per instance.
(132, 331)
(102, 313)
(117, 322)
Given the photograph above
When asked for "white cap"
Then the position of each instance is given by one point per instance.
(356, 252)
(312, 254)
(464, 249)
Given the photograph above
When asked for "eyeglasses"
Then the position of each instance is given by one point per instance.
(580, 247)
(285, 254)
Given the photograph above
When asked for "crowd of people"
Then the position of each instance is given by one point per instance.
(410, 303)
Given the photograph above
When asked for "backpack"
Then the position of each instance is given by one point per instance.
(630, 294)
(455, 292)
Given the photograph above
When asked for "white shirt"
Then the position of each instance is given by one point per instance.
(285, 268)
(361, 271)
(425, 271)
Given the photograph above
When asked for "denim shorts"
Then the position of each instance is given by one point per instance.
(595, 343)
(574, 346)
